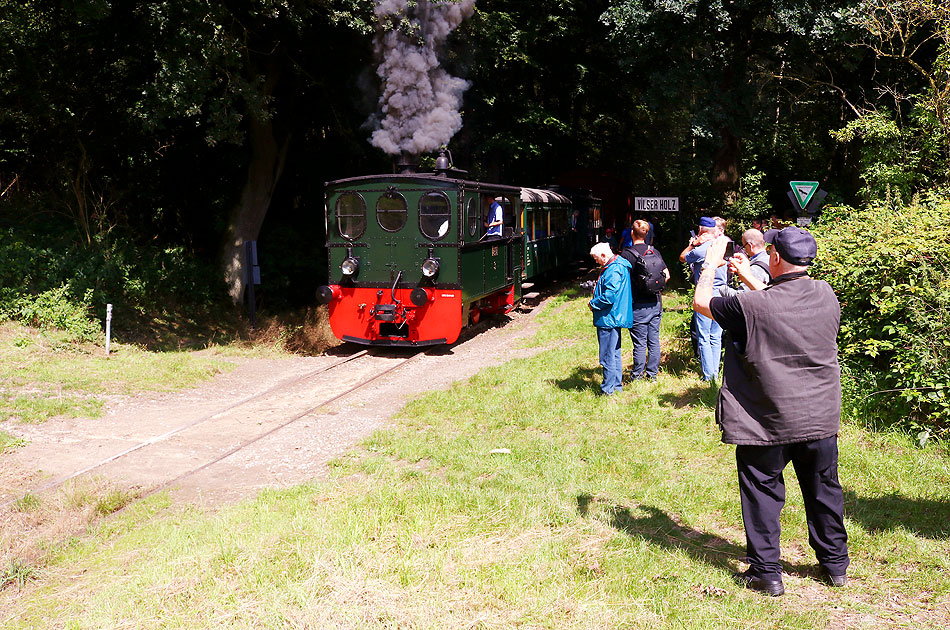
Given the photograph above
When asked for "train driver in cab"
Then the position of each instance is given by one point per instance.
(495, 222)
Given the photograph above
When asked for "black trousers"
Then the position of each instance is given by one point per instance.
(762, 491)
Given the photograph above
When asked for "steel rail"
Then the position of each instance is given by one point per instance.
(164, 436)
(273, 430)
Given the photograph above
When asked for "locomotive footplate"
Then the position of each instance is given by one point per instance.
(393, 342)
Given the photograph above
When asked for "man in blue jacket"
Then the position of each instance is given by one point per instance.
(612, 305)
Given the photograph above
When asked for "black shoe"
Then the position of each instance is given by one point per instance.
(836, 581)
(773, 588)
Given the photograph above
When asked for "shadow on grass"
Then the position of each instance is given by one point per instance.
(581, 379)
(927, 518)
(658, 528)
(678, 359)
(698, 395)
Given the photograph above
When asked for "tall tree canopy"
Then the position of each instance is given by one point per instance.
(189, 121)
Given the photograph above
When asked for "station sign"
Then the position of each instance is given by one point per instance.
(656, 204)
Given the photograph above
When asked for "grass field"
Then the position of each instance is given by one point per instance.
(516, 499)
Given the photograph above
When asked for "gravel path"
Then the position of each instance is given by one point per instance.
(292, 455)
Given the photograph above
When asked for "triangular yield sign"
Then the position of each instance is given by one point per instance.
(803, 191)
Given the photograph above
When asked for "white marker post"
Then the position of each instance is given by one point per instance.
(108, 327)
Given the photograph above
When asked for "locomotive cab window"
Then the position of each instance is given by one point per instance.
(391, 211)
(351, 215)
(472, 214)
(434, 215)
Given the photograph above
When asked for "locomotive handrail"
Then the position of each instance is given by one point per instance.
(392, 291)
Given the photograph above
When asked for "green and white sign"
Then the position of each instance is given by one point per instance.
(803, 192)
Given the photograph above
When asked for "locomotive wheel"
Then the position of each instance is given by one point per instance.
(474, 314)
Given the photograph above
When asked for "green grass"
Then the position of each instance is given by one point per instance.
(590, 513)
(43, 376)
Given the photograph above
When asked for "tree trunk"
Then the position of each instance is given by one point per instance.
(725, 174)
(244, 223)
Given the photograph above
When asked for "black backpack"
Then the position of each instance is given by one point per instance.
(647, 270)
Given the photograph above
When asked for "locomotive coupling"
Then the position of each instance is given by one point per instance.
(384, 312)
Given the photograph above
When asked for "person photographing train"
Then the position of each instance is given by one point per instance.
(780, 401)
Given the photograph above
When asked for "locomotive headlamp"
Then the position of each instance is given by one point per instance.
(430, 267)
(350, 266)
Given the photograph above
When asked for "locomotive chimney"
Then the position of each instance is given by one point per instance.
(407, 164)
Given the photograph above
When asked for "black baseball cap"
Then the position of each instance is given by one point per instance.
(794, 244)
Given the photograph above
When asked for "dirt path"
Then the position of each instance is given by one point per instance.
(291, 455)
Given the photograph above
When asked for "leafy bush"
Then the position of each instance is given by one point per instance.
(49, 279)
(890, 267)
(55, 308)
(890, 163)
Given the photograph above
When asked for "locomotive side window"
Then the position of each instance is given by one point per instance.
(472, 214)
(391, 211)
(434, 215)
(351, 215)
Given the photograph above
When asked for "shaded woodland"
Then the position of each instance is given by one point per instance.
(141, 140)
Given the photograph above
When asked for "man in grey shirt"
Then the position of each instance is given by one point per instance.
(753, 244)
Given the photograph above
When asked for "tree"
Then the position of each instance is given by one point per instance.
(903, 135)
(151, 113)
(724, 66)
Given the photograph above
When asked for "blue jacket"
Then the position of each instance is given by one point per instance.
(612, 302)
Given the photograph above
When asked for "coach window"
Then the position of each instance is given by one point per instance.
(434, 215)
(559, 220)
(391, 211)
(351, 215)
(472, 215)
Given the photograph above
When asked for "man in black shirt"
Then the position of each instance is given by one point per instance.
(780, 401)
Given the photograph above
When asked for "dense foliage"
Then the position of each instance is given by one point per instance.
(890, 266)
(141, 142)
(49, 280)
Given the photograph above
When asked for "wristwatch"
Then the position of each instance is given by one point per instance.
(706, 266)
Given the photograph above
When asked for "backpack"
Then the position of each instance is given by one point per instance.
(765, 267)
(646, 273)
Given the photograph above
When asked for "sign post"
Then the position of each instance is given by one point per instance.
(656, 204)
(252, 276)
(108, 327)
(806, 198)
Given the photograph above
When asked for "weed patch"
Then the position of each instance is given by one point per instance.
(9, 442)
(17, 573)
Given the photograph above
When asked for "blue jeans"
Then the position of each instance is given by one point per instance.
(645, 336)
(709, 340)
(610, 359)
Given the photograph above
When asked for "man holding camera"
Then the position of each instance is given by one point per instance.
(780, 401)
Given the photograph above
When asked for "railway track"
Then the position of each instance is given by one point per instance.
(197, 445)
